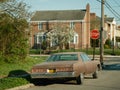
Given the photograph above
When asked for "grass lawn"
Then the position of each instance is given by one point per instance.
(15, 71)
(6, 68)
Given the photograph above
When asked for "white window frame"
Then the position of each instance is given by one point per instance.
(40, 25)
(76, 38)
(38, 38)
(72, 25)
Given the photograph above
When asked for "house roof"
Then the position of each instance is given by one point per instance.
(109, 19)
(59, 15)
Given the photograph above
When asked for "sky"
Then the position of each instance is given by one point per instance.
(95, 6)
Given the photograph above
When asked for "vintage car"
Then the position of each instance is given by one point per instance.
(66, 65)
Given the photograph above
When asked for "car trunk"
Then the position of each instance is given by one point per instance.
(55, 64)
(58, 66)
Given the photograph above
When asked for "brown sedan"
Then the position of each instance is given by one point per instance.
(66, 65)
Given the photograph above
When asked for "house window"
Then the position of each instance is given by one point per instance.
(39, 38)
(71, 25)
(35, 39)
(40, 25)
(75, 39)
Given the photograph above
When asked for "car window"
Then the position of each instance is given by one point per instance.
(85, 57)
(68, 57)
(53, 58)
(63, 57)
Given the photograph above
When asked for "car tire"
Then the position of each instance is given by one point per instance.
(95, 74)
(80, 79)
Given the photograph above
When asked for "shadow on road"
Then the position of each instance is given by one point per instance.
(115, 66)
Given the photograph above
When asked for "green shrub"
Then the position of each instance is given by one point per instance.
(34, 51)
(6, 83)
(106, 46)
(1, 60)
(108, 42)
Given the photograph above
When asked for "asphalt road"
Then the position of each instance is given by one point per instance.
(108, 79)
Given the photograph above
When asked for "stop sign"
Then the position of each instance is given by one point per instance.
(94, 34)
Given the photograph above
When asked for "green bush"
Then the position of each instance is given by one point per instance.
(34, 51)
(1, 60)
(10, 82)
(106, 46)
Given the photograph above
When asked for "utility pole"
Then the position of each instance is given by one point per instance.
(101, 32)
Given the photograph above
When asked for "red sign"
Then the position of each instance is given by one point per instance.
(94, 34)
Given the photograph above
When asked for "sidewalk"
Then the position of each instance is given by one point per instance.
(39, 55)
(97, 56)
(106, 57)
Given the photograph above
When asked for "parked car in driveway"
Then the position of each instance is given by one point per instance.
(66, 65)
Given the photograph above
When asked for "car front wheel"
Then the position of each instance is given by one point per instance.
(80, 79)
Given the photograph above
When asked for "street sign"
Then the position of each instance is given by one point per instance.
(94, 34)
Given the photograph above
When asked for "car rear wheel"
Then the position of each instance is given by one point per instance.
(95, 74)
(80, 79)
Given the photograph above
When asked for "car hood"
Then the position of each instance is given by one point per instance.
(55, 64)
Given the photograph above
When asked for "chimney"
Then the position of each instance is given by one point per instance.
(88, 8)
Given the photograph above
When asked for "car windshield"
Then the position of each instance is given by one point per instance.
(85, 57)
(63, 57)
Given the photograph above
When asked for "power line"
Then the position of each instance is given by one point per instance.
(99, 1)
(112, 7)
(112, 10)
(117, 15)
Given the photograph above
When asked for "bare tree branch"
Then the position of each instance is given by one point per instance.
(15, 9)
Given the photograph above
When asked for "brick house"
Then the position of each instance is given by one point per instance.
(43, 21)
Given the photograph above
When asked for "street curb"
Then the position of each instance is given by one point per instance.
(21, 87)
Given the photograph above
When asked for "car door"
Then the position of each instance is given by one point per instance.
(89, 67)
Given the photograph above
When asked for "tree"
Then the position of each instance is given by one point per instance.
(16, 9)
(60, 35)
(13, 25)
(95, 23)
(2, 1)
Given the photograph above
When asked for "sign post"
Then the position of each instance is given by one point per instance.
(94, 35)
